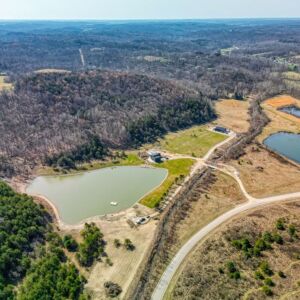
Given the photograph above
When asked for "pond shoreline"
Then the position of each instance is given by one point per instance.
(57, 213)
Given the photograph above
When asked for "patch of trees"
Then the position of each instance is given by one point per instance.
(112, 289)
(93, 150)
(92, 247)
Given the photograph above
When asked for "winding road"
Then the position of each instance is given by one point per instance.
(251, 203)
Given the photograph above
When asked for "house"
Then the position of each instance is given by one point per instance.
(154, 156)
(221, 129)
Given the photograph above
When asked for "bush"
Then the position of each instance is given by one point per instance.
(265, 268)
(269, 282)
(278, 238)
(280, 224)
(281, 274)
(70, 243)
(112, 289)
(129, 245)
(117, 243)
(267, 291)
(259, 276)
(292, 230)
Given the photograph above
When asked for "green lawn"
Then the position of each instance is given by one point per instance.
(176, 168)
(195, 141)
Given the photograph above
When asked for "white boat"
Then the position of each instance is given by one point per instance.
(114, 203)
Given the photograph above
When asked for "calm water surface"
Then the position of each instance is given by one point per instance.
(81, 196)
(292, 110)
(287, 144)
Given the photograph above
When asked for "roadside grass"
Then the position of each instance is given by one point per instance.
(131, 159)
(47, 71)
(4, 85)
(195, 141)
(176, 168)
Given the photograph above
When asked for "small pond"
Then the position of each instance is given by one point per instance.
(287, 144)
(292, 110)
(81, 196)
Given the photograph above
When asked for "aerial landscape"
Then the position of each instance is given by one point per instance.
(148, 153)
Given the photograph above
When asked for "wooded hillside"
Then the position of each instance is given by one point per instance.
(49, 114)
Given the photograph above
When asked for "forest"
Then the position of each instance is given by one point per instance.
(137, 81)
(30, 249)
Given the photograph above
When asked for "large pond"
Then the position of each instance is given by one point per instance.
(287, 144)
(292, 110)
(81, 196)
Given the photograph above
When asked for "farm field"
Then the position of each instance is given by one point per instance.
(266, 174)
(195, 141)
(279, 121)
(228, 110)
(206, 271)
(177, 168)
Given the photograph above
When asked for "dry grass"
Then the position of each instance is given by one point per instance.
(45, 71)
(125, 263)
(233, 114)
(265, 174)
(280, 121)
(201, 279)
(280, 101)
(4, 85)
(222, 196)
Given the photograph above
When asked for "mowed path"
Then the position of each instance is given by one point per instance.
(252, 202)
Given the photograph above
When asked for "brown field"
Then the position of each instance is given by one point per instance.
(266, 174)
(280, 101)
(233, 114)
(222, 196)
(125, 263)
(280, 121)
(51, 71)
(204, 274)
(4, 85)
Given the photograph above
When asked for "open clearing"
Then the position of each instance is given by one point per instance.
(233, 114)
(280, 121)
(176, 168)
(45, 71)
(204, 273)
(4, 85)
(195, 141)
(266, 174)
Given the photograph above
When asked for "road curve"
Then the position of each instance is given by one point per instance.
(167, 276)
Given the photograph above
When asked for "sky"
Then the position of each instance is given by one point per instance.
(147, 9)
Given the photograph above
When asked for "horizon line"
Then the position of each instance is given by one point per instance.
(151, 19)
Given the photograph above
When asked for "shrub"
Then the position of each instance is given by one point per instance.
(280, 224)
(70, 243)
(117, 243)
(269, 282)
(265, 268)
(259, 276)
(112, 289)
(267, 291)
(129, 245)
(278, 238)
(292, 230)
(281, 274)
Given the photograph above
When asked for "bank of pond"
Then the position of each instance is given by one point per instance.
(99, 192)
(286, 144)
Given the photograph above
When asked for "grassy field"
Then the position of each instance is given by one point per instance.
(176, 168)
(131, 159)
(4, 85)
(194, 141)
(228, 110)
